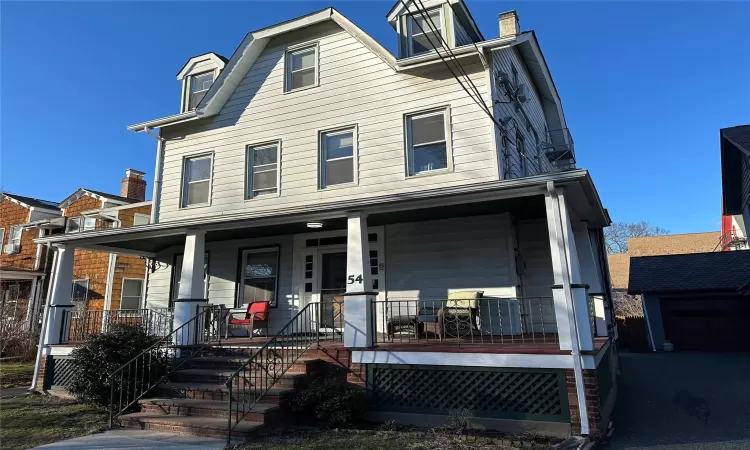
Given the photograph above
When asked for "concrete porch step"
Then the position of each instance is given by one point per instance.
(194, 426)
(219, 392)
(265, 413)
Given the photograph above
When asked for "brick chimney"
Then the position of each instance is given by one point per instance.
(133, 185)
(509, 24)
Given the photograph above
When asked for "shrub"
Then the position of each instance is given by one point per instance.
(332, 401)
(21, 345)
(104, 353)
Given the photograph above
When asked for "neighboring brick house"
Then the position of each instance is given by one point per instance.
(24, 265)
(102, 280)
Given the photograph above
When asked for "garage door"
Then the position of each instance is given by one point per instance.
(709, 324)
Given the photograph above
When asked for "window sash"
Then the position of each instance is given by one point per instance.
(290, 71)
(130, 299)
(326, 161)
(188, 182)
(260, 287)
(141, 219)
(413, 31)
(254, 170)
(413, 170)
(196, 95)
(15, 235)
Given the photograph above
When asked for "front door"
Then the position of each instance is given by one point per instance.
(332, 286)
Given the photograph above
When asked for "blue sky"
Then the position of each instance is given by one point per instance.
(645, 88)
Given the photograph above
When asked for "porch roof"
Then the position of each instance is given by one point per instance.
(521, 196)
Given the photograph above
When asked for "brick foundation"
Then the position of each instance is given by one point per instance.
(591, 388)
(341, 358)
(40, 379)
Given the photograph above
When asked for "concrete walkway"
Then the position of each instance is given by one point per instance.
(682, 401)
(138, 440)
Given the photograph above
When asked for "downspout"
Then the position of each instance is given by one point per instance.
(574, 342)
(155, 200)
(45, 321)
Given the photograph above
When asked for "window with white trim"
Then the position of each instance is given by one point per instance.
(199, 85)
(196, 187)
(78, 224)
(427, 147)
(259, 283)
(2, 236)
(15, 235)
(301, 68)
(132, 293)
(141, 219)
(424, 32)
(337, 157)
(262, 170)
(80, 290)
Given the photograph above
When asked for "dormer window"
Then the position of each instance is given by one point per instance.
(424, 31)
(199, 85)
(301, 67)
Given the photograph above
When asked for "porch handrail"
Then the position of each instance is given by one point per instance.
(155, 364)
(486, 320)
(259, 373)
(76, 325)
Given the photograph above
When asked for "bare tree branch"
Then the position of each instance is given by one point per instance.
(616, 235)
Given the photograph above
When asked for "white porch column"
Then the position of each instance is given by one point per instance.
(591, 275)
(31, 306)
(192, 288)
(62, 290)
(568, 290)
(358, 329)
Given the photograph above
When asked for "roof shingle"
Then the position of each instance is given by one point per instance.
(697, 272)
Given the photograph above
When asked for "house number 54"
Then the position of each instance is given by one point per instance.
(352, 279)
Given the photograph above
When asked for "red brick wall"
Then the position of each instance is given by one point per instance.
(89, 264)
(591, 392)
(14, 214)
(341, 358)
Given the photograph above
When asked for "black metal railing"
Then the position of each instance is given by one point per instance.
(77, 325)
(134, 379)
(315, 323)
(486, 320)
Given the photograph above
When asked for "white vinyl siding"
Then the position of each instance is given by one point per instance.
(132, 292)
(536, 276)
(338, 162)
(199, 85)
(424, 31)
(197, 180)
(356, 87)
(428, 149)
(302, 67)
(506, 60)
(262, 169)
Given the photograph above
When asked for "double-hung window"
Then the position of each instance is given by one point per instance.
(337, 157)
(196, 187)
(15, 235)
(132, 290)
(199, 85)
(428, 148)
(141, 219)
(260, 268)
(424, 32)
(301, 67)
(262, 170)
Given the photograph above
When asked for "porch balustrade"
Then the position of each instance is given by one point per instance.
(77, 325)
(487, 320)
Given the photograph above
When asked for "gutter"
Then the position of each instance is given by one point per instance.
(169, 120)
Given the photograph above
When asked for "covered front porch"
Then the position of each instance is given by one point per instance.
(385, 272)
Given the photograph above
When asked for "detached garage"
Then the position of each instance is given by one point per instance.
(699, 301)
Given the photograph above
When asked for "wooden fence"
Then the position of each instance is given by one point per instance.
(633, 333)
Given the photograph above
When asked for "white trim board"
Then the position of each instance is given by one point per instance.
(471, 359)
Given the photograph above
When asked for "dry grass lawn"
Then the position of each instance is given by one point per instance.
(32, 420)
(16, 374)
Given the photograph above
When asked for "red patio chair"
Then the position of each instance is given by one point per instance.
(255, 317)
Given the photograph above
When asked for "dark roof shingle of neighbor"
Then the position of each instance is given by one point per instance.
(739, 134)
(113, 197)
(696, 272)
(34, 202)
